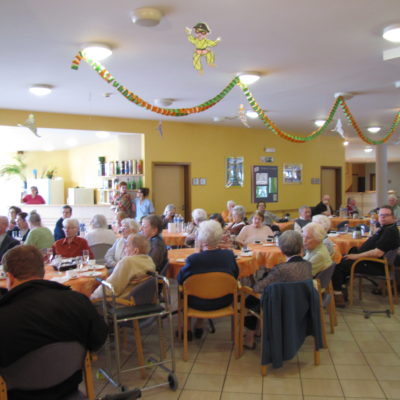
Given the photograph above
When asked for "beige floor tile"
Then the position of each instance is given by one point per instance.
(344, 335)
(307, 357)
(161, 393)
(396, 347)
(210, 367)
(351, 372)
(236, 367)
(183, 366)
(243, 384)
(371, 335)
(392, 336)
(343, 346)
(240, 396)
(204, 382)
(281, 386)
(323, 398)
(356, 358)
(214, 356)
(393, 326)
(321, 387)
(385, 373)
(289, 370)
(391, 389)
(281, 397)
(318, 372)
(371, 346)
(383, 359)
(362, 326)
(362, 388)
(199, 395)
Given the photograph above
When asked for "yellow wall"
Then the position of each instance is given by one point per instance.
(205, 147)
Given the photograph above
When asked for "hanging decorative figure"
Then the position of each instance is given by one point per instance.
(202, 45)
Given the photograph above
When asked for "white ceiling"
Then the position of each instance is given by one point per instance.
(307, 51)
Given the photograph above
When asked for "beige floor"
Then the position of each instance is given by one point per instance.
(362, 361)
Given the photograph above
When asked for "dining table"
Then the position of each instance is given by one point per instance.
(246, 262)
(173, 239)
(352, 222)
(346, 241)
(85, 281)
(285, 226)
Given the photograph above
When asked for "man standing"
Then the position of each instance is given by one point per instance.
(36, 312)
(324, 207)
(6, 241)
(58, 230)
(385, 239)
(304, 218)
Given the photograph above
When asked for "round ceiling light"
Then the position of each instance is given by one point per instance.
(368, 149)
(97, 51)
(346, 143)
(374, 129)
(164, 102)
(248, 78)
(41, 90)
(146, 16)
(392, 33)
(319, 122)
(251, 114)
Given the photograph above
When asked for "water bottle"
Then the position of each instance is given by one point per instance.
(82, 230)
(181, 221)
(372, 226)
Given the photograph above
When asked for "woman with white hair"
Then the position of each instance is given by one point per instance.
(326, 224)
(116, 252)
(238, 222)
(210, 259)
(316, 252)
(227, 214)
(99, 232)
(168, 215)
(39, 236)
(198, 215)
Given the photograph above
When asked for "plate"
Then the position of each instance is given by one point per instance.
(91, 274)
(180, 260)
(246, 254)
(269, 244)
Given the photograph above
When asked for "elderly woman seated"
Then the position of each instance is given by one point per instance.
(352, 207)
(116, 224)
(168, 215)
(38, 236)
(116, 252)
(210, 259)
(226, 241)
(326, 224)
(227, 214)
(135, 265)
(72, 245)
(316, 251)
(198, 215)
(238, 222)
(99, 232)
(294, 269)
(257, 231)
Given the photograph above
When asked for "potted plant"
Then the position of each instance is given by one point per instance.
(15, 170)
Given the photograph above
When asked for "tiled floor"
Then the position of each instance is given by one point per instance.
(362, 361)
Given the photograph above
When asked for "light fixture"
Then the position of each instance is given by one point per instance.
(164, 102)
(146, 16)
(319, 122)
(71, 142)
(103, 134)
(392, 33)
(248, 78)
(368, 149)
(374, 129)
(41, 90)
(251, 114)
(217, 119)
(97, 51)
(346, 143)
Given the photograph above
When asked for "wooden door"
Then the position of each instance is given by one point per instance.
(331, 184)
(170, 186)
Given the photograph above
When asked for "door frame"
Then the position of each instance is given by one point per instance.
(338, 184)
(186, 179)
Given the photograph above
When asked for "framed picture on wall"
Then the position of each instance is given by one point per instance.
(292, 173)
(234, 171)
(264, 183)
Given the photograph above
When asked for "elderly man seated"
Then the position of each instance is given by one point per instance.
(72, 245)
(304, 218)
(99, 232)
(135, 265)
(393, 202)
(151, 230)
(324, 207)
(117, 251)
(294, 269)
(210, 259)
(316, 251)
(6, 241)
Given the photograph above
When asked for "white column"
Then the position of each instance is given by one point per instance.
(381, 174)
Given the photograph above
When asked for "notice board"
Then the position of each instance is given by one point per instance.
(264, 183)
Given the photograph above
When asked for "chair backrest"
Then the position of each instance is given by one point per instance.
(99, 251)
(391, 256)
(164, 269)
(325, 276)
(210, 285)
(145, 292)
(45, 367)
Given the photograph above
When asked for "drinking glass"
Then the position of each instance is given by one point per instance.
(85, 254)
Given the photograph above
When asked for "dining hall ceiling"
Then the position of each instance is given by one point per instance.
(306, 51)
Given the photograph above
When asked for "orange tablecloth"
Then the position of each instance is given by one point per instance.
(285, 226)
(173, 239)
(247, 265)
(335, 221)
(346, 242)
(83, 284)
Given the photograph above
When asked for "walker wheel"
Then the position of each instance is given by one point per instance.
(173, 381)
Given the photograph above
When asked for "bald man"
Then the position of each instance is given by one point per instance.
(6, 242)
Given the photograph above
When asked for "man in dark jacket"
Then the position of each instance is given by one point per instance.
(6, 241)
(59, 230)
(36, 312)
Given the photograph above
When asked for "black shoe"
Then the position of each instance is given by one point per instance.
(198, 333)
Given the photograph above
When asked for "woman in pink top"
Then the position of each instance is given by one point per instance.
(34, 197)
(257, 231)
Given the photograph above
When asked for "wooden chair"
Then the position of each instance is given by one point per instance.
(46, 367)
(326, 297)
(210, 285)
(388, 277)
